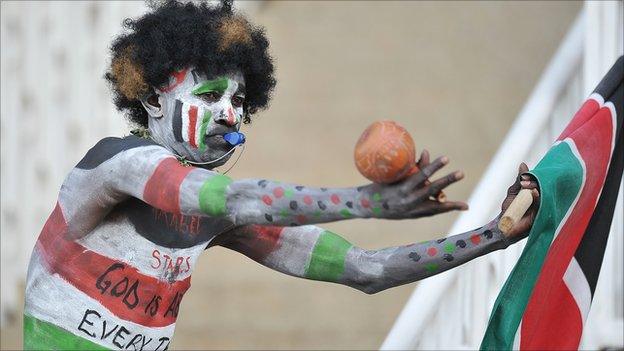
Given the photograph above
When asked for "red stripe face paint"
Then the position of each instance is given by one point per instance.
(177, 78)
(231, 119)
(207, 104)
(192, 115)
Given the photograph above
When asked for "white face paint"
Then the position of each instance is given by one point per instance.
(195, 112)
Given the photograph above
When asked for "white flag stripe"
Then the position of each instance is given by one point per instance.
(516, 342)
(48, 297)
(576, 282)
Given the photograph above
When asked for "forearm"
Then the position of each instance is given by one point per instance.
(374, 271)
(259, 201)
(313, 253)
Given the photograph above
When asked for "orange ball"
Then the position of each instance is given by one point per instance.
(385, 153)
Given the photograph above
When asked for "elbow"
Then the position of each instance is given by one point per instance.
(368, 277)
(371, 289)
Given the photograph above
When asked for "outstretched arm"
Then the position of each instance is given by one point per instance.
(314, 253)
(117, 168)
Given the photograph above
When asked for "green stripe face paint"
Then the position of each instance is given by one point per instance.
(202, 130)
(212, 197)
(328, 257)
(40, 335)
(218, 85)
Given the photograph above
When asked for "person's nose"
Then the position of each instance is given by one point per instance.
(226, 117)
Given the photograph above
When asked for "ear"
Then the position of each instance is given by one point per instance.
(152, 105)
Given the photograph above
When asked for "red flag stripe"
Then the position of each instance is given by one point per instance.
(594, 144)
(162, 189)
(118, 286)
(585, 113)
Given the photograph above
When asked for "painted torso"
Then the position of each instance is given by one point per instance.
(120, 285)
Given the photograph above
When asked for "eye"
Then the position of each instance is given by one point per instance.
(211, 96)
(237, 101)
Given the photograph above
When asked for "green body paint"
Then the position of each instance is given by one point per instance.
(449, 248)
(328, 257)
(40, 335)
(202, 130)
(431, 267)
(212, 195)
(283, 212)
(377, 197)
(288, 193)
(377, 211)
(345, 213)
(218, 85)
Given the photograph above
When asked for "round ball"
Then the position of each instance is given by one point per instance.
(385, 153)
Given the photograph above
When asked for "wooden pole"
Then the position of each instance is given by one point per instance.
(515, 211)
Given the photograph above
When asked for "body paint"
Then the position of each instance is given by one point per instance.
(202, 130)
(218, 85)
(192, 126)
(328, 257)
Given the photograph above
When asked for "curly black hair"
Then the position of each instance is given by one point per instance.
(177, 35)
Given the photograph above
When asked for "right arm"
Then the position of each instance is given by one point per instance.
(117, 168)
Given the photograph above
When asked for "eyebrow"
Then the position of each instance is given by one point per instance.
(218, 85)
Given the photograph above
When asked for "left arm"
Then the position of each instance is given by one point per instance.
(314, 253)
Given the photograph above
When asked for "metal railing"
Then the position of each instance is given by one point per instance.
(451, 310)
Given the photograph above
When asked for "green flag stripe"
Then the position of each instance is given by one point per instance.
(212, 196)
(560, 175)
(40, 335)
(328, 257)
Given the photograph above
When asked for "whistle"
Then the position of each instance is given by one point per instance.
(234, 138)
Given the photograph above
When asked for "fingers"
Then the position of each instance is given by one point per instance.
(424, 159)
(443, 182)
(413, 181)
(431, 208)
(523, 168)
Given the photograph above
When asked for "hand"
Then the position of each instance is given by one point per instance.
(521, 229)
(414, 197)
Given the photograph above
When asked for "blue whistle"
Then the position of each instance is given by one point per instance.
(234, 138)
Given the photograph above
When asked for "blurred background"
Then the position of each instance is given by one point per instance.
(455, 74)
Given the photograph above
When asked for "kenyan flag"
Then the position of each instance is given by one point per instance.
(546, 299)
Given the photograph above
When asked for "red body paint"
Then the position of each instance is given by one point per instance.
(432, 251)
(335, 199)
(118, 286)
(307, 200)
(178, 77)
(192, 125)
(162, 190)
(278, 192)
(267, 200)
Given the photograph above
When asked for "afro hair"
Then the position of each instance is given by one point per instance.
(177, 35)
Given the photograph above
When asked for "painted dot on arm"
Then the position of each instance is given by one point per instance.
(335, 199)
(449, 248)
(345, 213)
(278, 192)
(475, 239)
(307, 200)
(432, 251)
(431, 267)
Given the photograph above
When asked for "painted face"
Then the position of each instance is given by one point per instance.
(195, 112)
